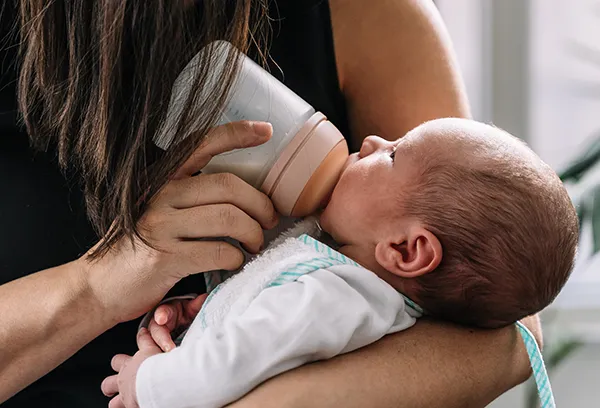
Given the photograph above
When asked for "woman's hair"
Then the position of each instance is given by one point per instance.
(95, 83)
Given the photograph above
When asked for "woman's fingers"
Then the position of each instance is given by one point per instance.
(224, 138)
(203, 256)
(118, 361)
(215, 221)
(110, 386)
(221, 189)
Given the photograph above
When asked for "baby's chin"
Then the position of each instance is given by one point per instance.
(325, 220)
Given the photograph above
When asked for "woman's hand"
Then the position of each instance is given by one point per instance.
(183, 224)
(173, 317)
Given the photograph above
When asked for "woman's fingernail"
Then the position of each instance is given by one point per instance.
(263, 129)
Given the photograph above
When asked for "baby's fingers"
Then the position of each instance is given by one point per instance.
(166, 315)
(110, 386)
(191, 309)
(161, 336)
(116, 402)
(118, 361)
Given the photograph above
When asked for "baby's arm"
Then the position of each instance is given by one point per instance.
(319, 316)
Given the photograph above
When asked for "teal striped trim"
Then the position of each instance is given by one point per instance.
(330, 258)
(413, 305)
(344, 260)
(212, 280)
(539, 370)
(325, 250)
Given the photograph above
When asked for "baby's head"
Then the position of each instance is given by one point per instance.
(461, 217)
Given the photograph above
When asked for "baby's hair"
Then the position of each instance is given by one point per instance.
(508, 231)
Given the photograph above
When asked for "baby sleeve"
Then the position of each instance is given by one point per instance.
(319, 316)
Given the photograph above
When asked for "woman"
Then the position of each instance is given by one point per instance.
(94, 82)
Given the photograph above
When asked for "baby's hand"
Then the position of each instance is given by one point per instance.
(123, 383)
(173, 317)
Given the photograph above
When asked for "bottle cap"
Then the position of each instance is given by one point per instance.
(308, 169)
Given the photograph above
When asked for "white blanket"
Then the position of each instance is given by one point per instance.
(300, 301)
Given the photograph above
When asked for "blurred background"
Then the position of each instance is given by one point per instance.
(532, 67)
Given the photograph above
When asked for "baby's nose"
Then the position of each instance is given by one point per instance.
(371, 144)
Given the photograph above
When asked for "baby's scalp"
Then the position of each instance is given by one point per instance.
(507, 226)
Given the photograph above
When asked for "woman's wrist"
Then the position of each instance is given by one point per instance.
(89, 296)
(49, 316)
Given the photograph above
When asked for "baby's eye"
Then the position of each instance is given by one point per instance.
(393, 154)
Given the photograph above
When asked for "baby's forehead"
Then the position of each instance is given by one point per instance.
(462, 136)
(474, 145)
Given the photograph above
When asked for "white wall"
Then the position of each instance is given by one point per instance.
(562, 111)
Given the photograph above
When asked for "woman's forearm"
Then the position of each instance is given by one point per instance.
(430, 365)
(46, 317)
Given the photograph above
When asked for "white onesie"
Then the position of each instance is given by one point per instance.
(299, 302)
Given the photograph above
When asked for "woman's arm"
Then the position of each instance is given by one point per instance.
(396, 66)
(46, 317)
(430, 365)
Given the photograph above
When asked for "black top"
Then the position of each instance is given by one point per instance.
(42, 217)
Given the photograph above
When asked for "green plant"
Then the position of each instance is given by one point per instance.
(587, 204)
(588, 201)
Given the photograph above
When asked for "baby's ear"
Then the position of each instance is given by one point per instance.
(410, 253)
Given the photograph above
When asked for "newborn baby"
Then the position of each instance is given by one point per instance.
(456, 219)
(459, 216)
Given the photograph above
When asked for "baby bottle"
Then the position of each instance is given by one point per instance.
(301, 163)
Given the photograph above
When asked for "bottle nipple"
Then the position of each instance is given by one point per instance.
(308, 169)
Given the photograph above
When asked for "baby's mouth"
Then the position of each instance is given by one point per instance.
(353, 158)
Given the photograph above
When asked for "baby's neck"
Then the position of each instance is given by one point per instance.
(366, 257)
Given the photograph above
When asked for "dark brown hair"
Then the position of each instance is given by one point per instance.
(509, 235)
(95, 83)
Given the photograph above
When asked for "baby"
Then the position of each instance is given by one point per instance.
(456, 219)
(459, 216)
